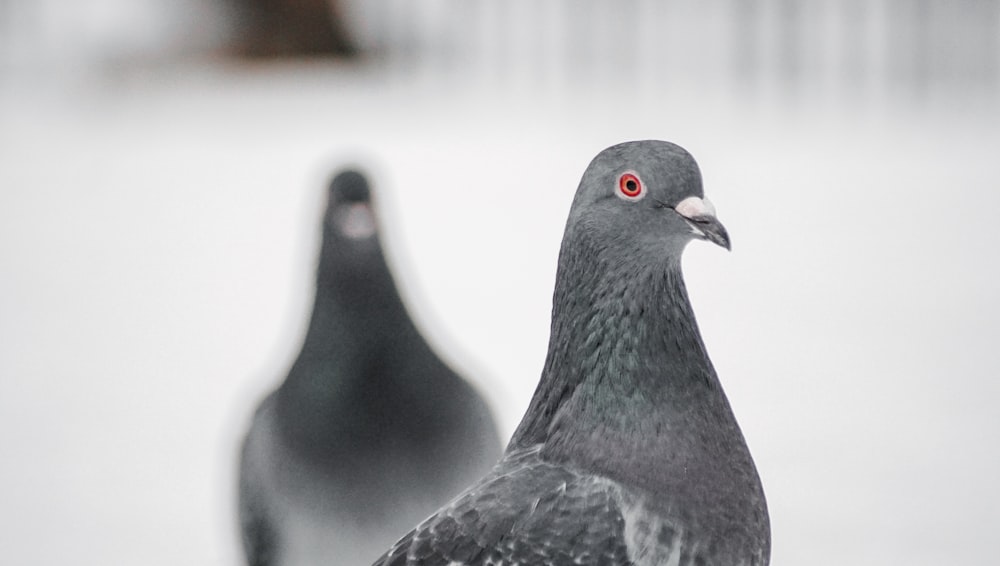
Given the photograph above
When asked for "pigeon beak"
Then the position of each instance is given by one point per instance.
(356, 221)
(700, 215)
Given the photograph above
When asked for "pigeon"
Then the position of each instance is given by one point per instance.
(370, 431)
(629, 452)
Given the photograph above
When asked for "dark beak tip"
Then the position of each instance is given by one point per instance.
(724, 239)
(721, 240)
(713, 231)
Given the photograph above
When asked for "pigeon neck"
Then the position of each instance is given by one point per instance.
(625, 364)
(358, 318)
(355, 296)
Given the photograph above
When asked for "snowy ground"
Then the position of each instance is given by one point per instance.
(157, 232)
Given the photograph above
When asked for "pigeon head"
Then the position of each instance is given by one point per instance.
(645, 195)
(349, 214)
(351, 253)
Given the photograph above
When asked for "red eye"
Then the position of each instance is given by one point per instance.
(629, 186)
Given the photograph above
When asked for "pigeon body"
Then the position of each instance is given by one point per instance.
(629, 452)
(370, 431)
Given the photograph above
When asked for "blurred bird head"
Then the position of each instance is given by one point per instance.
(351, 253)
(349, 214)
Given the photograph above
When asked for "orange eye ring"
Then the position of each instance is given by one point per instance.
(630, 187)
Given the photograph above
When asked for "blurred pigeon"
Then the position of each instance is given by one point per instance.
(629, 452)
(371, 431)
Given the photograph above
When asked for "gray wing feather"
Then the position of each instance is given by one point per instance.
(257, 530)
(524, 512)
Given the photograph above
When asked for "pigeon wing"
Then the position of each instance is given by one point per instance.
(258, 533)
(524, 512)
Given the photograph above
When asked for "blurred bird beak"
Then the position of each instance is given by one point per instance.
(356, 221)
(700, 215)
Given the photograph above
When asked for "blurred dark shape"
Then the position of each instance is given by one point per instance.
(291, 28)
(371, 431)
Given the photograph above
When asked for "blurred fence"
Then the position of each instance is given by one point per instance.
(909, 43)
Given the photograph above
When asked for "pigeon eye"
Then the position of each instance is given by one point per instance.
(630, 187)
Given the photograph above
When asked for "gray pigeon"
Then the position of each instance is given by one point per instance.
(629, 452)
(370, 431)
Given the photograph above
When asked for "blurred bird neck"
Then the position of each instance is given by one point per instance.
(355, 306)
(358, 325)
